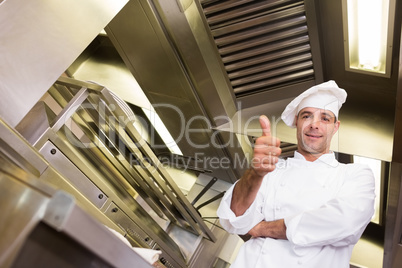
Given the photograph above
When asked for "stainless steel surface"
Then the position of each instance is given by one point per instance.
(132, 229)
(156, 174)
(393, 227)
(64, 216)
(263, 45)
(22, 208)
(26, 201)
(179, 72)
(17, 149)
(93, 143)
(206, 254)
(392, 238)
(42, 40)
(59, 161)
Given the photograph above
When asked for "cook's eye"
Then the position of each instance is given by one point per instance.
(306, 116)
(326, 119)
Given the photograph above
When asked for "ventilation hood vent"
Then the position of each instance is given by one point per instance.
(263, 44)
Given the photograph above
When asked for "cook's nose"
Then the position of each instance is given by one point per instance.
(315, 123)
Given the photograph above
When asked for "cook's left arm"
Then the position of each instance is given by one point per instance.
(342, 220)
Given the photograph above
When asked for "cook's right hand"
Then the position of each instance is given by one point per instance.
(266, 149)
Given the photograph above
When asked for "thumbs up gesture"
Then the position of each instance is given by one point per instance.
(266, 150)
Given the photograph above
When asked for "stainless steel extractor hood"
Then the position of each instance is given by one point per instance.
(223, 63)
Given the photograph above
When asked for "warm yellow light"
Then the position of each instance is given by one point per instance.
(368, 35)
(375, 166)
(371, 43)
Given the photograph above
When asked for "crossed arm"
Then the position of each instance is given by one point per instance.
(244, 194)
(274, 229)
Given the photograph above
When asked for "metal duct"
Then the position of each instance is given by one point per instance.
(263, 44)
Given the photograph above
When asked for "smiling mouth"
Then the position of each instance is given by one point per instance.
(314, 136)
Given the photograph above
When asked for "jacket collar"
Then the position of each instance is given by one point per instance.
(328, 159)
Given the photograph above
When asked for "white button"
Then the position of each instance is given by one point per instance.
(283, 183)
(299, 262)
(278, 208)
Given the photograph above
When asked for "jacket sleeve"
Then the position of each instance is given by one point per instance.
(243, 224)
(342, 220)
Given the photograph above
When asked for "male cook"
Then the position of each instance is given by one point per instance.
(305, 211)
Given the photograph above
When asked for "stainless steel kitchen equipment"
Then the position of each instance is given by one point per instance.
(93, 143)
(223, 61)
(42, 225)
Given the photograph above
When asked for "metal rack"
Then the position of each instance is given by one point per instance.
(93, 143)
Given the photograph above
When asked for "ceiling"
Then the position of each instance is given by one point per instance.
(220, 64)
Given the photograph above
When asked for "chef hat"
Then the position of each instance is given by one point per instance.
(326, 96)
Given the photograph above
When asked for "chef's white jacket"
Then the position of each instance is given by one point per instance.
(326, 206)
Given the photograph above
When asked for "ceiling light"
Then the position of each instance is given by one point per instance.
(368, 35)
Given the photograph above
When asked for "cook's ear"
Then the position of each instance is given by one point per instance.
(337, 124)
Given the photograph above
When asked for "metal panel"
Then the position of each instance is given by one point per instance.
(59, 161)
(41, 39)
(21, 208)
(263, 44)
(126, 223)
(393, 227)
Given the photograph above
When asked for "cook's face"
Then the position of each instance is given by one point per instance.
(315, 128)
